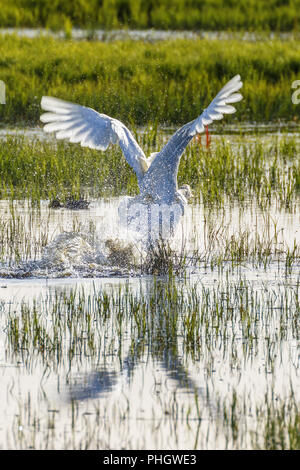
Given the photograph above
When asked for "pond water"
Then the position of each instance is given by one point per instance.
(98, 353)
(135, 392)
(81, 243)
(149, 34)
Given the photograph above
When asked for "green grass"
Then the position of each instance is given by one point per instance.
(166, 82)
(277, 15)
(266, 171)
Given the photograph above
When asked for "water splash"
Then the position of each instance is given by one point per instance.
(74, 254)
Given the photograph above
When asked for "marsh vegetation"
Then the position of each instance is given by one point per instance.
(194, 342)
(162, 14)
(141, 84)
(264, 169)
(200, 337)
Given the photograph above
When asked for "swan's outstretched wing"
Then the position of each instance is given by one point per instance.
(219, 106)
(167, 160)
(91, 129)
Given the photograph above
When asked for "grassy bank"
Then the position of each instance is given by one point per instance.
(169, 81)
(277, 15)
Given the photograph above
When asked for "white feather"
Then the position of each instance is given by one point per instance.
(157, 175)
(83, 125)
(219, 105)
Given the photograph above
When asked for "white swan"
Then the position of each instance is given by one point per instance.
(157, 174)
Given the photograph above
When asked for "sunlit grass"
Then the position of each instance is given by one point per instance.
(267, 172)
(168, 82)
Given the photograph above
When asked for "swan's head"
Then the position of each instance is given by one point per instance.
(186, 191)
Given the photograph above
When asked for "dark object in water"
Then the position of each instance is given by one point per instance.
(70, 203)
(55, 204)
(119, 255)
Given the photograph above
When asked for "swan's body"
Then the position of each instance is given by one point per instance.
(157, 174)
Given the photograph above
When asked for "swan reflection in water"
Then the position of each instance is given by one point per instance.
(138, 358)
(104, 380)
